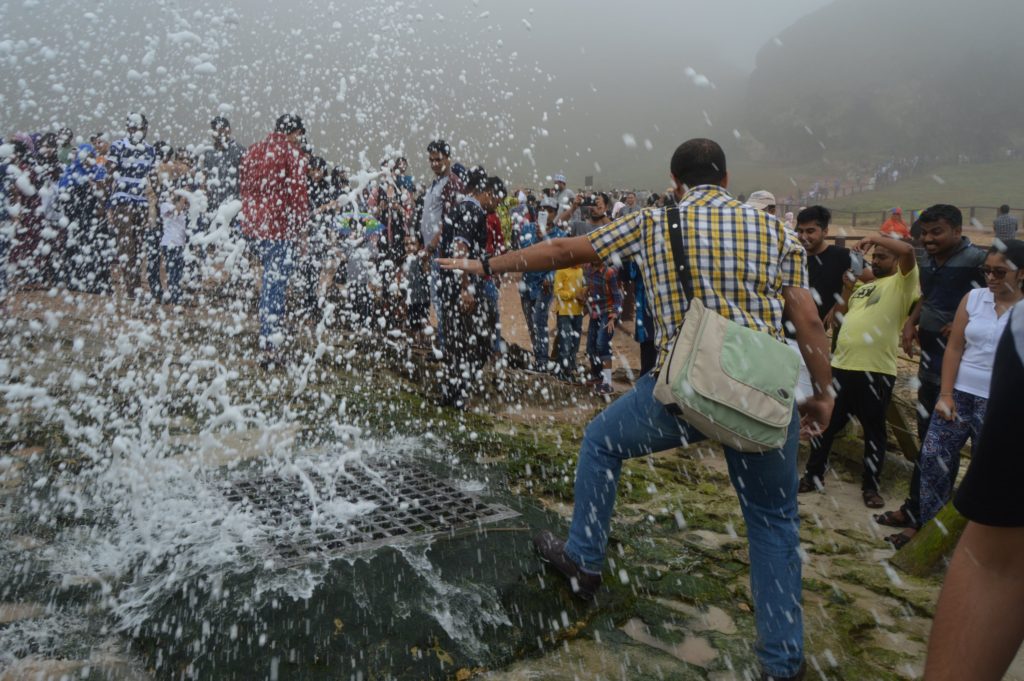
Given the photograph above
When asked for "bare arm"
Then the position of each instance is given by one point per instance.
(802, 313)
(903, 250)
(910, 329)
(554, 254)
(979, 623)
(951, 361)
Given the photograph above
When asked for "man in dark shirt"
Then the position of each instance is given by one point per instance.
(827, 264)
(949, 270)
(468, 316)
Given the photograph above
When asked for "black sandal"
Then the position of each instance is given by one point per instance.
(891, 519)
(899, 540)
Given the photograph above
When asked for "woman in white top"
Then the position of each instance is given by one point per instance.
(966, 375)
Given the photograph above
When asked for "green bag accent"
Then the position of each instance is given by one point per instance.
(734, 384)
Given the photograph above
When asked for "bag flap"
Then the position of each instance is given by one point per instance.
(746, 370)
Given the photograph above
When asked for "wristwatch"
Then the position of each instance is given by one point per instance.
(485, 264)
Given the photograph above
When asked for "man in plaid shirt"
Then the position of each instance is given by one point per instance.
(746, 267)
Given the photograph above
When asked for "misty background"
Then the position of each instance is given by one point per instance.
(530, 89)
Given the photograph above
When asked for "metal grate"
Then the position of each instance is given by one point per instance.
(412, 504)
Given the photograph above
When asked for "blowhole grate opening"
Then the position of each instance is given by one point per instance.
(412, 505)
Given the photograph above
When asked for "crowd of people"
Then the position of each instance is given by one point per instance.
(378, 252)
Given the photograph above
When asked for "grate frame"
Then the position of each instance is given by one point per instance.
(413, 506)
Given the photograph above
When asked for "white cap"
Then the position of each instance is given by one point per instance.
(761, 199)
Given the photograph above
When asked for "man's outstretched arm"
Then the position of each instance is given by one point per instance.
(554, 254)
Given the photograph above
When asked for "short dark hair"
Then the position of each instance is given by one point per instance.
(137, 120)
(495, 184)
(1004, 208)
(819, 215)
(440, 147)
(476, 179)
(219, 123)
(943, 211)
(698, 161)
(289, 123)
(1012, 250)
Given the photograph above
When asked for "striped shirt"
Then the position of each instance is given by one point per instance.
(130, 165)
(741, 259)
(1005, 227)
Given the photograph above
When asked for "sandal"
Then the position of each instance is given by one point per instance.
(899, 540)
(897, 518)
(872, 499)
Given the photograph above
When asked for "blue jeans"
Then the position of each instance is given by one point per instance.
(570, 330)
(536, 310)
(277, 260)
(599, 344)
(492, 293)
(174, 262)
(636, 425)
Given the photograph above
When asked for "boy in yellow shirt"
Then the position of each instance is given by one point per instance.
(570, 295)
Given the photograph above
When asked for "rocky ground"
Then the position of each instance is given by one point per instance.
(680, 606)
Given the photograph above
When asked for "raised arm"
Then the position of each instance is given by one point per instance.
(903, 250)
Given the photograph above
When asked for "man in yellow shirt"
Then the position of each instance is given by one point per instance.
(864, 365)
(570, 294)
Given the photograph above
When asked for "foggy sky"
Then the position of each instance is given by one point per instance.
(527, 89)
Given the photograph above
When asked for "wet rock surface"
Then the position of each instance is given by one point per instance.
(85, 594)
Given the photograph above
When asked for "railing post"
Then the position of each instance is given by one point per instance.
(854, 218)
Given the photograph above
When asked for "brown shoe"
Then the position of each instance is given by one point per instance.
(765, 676)
(552, 550)
(810, 483)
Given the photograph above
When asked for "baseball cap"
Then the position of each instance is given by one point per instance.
(289, 123)
(761, 199)
(559, 178)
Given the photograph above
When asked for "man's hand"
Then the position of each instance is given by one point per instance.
(610, 327)
(464, 264)
(467, 302)
(946, 329)
(815, 415)
(830, 318)
(908, 337)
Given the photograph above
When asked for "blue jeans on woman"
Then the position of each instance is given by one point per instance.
(277, 259)
(637, 425)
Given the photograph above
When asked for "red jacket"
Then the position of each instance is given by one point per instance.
(274, 189)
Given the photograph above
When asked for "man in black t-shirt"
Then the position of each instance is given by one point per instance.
(469, 317)
(979, 621)
(827, 267)
(827, 264)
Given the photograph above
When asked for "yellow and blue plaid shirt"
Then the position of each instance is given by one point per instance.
(741, 259)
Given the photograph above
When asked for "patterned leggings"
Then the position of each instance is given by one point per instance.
(940, 451)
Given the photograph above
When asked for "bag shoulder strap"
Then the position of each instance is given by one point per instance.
(675, 235)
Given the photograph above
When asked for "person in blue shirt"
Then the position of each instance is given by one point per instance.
(536, 288)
